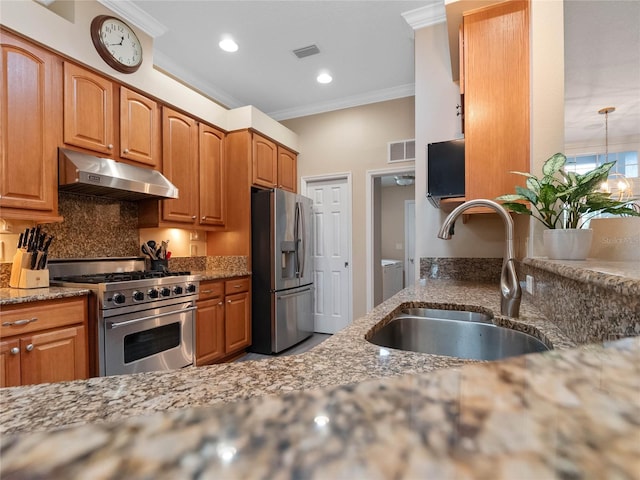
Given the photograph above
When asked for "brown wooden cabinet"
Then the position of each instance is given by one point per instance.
(88, 110)
(194, 161)
(264, 160)
(30, 122)
(287, 170)
(140, 129)
(44, 341)
(223, 320)
(210, 323)
(212, 188)
(496, 98)
(272, 165)
(180, 162)
(100, 115)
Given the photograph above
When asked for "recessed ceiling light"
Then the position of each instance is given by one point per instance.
(324, 78)
(228, 45)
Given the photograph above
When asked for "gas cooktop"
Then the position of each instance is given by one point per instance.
(118, 276)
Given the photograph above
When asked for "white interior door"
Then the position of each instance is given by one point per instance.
(332, 239)
(409, 242)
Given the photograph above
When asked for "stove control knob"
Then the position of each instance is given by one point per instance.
(165, 291)
(191, 288)
(153, 293)
(138, 296)
(118, 298)
(177, 290)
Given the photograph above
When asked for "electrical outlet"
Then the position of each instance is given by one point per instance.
(530, 284)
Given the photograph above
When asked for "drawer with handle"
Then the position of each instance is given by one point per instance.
(211, 289)
(236, 286)
(31, 317)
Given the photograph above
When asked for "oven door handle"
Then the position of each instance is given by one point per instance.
(150, 317)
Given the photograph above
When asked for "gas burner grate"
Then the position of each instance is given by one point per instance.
(118, 276)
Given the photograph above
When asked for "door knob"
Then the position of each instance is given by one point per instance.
(346, 264)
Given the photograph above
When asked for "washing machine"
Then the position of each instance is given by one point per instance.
(392, 277)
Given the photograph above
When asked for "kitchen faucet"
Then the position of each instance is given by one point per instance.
(509, 286)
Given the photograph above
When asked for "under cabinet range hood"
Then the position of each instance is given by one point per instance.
(89, 175)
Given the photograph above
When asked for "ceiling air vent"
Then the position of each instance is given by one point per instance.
(306, 51)
(401, 151)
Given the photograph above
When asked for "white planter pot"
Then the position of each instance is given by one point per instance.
(567, 244)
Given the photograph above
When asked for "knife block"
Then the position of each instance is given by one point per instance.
(24, 277)
(33, 279)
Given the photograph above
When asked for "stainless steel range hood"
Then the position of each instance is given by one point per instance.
(89, 175)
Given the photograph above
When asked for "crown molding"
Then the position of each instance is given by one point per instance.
(392, 93)
(427, 16)
(132, 13)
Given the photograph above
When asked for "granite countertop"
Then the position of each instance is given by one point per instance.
(352, 411)
(220, 274)
(345, 357)
(12, 296)
(346, 409)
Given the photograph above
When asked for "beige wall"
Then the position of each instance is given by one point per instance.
(353, 140)
(392, 219)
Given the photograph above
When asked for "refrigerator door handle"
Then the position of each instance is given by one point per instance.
(303, 245)
(296, 235)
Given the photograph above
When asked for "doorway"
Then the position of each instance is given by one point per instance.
(333, 304)
(387, 241)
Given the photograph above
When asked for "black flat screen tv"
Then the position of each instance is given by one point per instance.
(445, 169)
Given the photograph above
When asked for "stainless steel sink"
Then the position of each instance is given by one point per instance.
(454, 333)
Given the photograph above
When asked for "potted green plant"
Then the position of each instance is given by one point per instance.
(563, 201)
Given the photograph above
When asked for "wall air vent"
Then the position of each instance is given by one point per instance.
(401, 151)
(306, 51)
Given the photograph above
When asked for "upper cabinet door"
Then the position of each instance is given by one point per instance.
(140, 139)
(180, 165)
(88, 110)
(496, 103)
(30, 118)
(212, 176)
(265, 162)
(287, 170)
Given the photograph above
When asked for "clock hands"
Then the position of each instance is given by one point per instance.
(121, 40)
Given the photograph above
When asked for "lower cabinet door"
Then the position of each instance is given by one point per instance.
(54, 356)
(209, 331)
(10, 363)
(237, 322)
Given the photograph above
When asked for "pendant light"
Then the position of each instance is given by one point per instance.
(621, 186)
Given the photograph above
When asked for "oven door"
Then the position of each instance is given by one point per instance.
(149, 340)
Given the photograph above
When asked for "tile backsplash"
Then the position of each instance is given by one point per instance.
(94, 227)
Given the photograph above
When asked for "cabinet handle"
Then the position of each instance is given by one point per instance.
(15, 351)
(207, 291)
(29, 347)
(203, 218)
(193, 217)
(220, 304)
(125, 151)
(237, 286)
(228, 301)
(110, 146)
(19, 322)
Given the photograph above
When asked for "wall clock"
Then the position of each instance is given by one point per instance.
(116, 43)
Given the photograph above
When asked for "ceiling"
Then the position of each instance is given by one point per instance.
(367, 46)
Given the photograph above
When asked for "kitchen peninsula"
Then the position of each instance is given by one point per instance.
(335, 412)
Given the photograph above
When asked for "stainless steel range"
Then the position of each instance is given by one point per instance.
(139, 321)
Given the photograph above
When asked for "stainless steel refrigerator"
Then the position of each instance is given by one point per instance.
(281, 234)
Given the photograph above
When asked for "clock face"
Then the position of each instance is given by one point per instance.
(116, 43)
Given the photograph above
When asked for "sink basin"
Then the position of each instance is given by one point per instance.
(454, 333)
